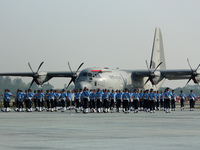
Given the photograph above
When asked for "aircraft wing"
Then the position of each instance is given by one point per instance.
(168, 74)
(49, 74)
(21, 74)
(176, 74)
(61, 74)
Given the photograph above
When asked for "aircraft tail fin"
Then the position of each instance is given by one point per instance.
(157, 55)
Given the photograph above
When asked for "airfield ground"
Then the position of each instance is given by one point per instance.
(56, 130)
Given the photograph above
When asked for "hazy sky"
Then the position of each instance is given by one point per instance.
(113, 33)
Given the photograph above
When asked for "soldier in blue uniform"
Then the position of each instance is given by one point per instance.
(167, 98)
(141, 100)
(78, 96)
(106, 101)
(192, 98)
(30, 95)
(182, 99)
(119, 100)
(173, 101)
(16, 100)
(7, 98)
(19, 101)
(126, 99)
(145, 100)
(47, 98)
(92, 101)
(26, 99)
(35, 99)
(136, 97)
(158, 100)
(152, 97)
(86, 98)
(131, 101)
(63, 98)
(40, 100)
(52, 98)
(99, 96)
(112, 100)
(161, 100)
(56, 100)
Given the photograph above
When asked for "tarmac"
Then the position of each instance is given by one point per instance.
(57, 130)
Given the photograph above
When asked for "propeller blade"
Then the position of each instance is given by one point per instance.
(30, 67)
(147, 65)
(40, 66)
(157, 67)
(197, 68)
(146, 81)
(32, 83)
(189, 64)
(69, 83)
(188, 81)
(69, 67)
(79, 67)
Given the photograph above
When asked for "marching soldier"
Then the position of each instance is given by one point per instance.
(161, 101)
(167, 96)
(158, 96)
(106, 101)
(78, 96)
(136, 97)
(47, 97)
(52, 99)
(112, 100)
(141, 100)
(30, 95)
(119, 100)
(92, 101)
(99, 96)
(19, 101)
(86, 98)
(152, 97)
(173, 101)
(35, 99)
(63, 98)
(126, 99)
(145, 100)
(40, 100)
(192, 98)
(182, 98)
(56, 100)
(7, 98)
(131, 101)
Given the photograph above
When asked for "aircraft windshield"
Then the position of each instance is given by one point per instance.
(84, 74)
(88, 74)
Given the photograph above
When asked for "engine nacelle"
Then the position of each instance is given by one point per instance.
(42, 78)
(196, 79)
(155, 77)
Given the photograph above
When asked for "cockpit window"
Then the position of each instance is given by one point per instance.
(84, 74)
(97, 75)
(89, 74)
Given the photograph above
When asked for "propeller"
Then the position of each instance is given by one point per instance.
(151, 73)
(193, 73)
(74, 75)
(35, 74)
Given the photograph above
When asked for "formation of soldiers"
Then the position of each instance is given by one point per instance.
(97, 100)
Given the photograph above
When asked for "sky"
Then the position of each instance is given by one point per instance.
(111, 33)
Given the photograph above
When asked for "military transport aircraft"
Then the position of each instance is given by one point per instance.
(102, 78)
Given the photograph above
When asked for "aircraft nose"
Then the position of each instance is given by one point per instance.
(81, 85)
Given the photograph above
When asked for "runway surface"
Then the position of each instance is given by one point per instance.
(56, 130)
